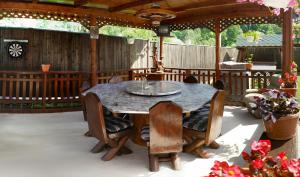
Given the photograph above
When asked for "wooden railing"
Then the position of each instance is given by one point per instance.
(39, 92)
(60, 91)
(236, 81)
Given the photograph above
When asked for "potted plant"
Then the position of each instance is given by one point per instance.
(280, 113)
(249, 61)
(260, 164)
(288, 82)
(45, 67)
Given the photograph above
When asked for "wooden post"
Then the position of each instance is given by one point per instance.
(218, 45)
(287, 37)
(93, 51)
(44, 90)
(161, 48)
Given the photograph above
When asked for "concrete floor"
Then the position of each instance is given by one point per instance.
(53, 145)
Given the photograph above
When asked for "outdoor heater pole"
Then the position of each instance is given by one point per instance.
(161, 47)
(218, 45)
(94, 35)
(287, 47)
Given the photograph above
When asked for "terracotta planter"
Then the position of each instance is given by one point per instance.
(290, 91)
(249, 66)
(45, 67)
(284, 128)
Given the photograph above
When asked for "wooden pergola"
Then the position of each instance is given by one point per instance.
(216, 15)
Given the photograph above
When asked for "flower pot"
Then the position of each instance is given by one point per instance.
(284, 128)
(45, 67)
(290, 91)
(249, 66)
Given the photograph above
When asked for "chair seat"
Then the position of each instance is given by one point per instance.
(198, 119)
(114, 125)
(108, 113)
(145, 133)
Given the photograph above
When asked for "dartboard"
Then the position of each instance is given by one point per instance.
(15, 49)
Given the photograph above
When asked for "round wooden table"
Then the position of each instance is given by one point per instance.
(117, 99)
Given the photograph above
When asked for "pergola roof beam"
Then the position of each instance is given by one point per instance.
(208, 4)
(227, 14)
(80, 2)
(47, 8)
(132, 5)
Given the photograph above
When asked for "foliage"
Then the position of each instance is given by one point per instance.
(260, 164)
(276, 105)
(255, 34)
(197, 36)
(290, 78)
(127, 32)
(230, 35)
(250, 58)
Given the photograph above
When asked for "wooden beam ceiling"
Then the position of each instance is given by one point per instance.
(229, 13)
(132, 5)
(207, 4)
(84, 12)
(80, 2)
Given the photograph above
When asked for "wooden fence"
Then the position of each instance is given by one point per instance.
(71, 52)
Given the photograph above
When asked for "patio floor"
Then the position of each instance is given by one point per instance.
(53, 145)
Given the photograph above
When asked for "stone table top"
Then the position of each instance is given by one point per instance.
(153, 88)
(116, 99)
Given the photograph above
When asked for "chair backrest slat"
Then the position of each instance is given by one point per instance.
(95, 117)
(165, 120)
(190, 79)
(215, 117)
(115, 79)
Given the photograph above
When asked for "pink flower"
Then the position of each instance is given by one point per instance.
(276, 11)
(233, 171)
(293, 3)
(294, 167)
(262, 147)
(293, 65)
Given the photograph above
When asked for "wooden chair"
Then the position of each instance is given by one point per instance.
(190, 79)
(155, 77)
(115, 79)
(204, 126)
(219, 85)
(164, 135)
(84, 87)
(112, 133)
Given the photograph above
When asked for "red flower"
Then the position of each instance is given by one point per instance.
(219, 166)
(245, 155)
(282, 156)
(280, 81)
(262, 147)
(257, 164)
